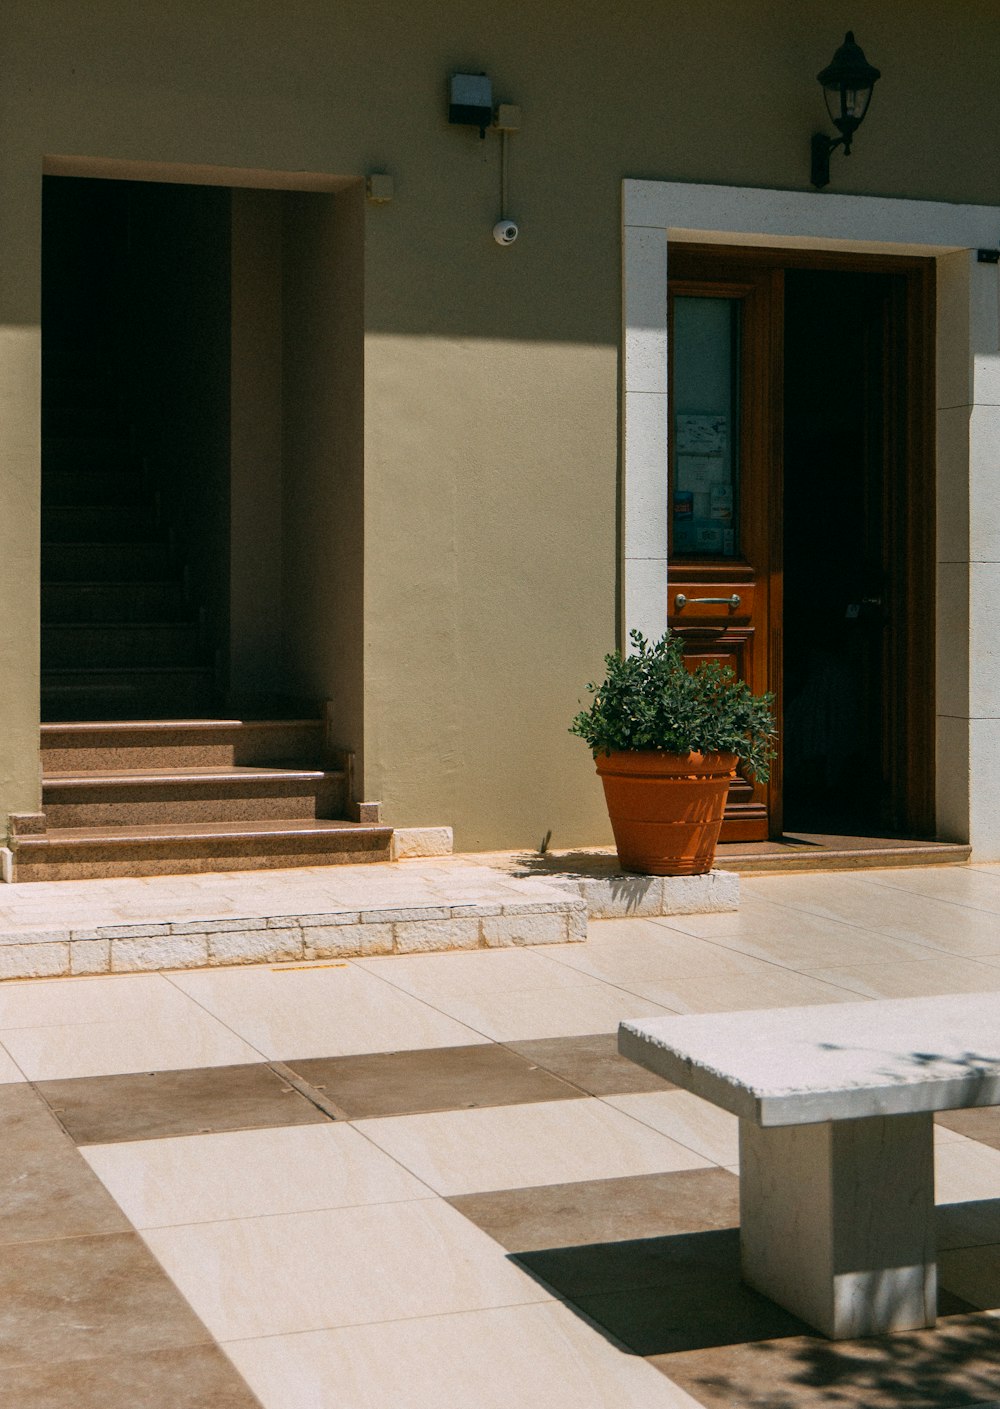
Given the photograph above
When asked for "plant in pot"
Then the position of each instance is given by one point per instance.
(667, 741)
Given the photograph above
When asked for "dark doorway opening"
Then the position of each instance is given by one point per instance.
(135, 448)
(840, 395)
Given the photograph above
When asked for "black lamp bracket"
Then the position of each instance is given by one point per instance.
(822, 146)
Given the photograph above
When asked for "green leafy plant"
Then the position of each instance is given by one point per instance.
(650, 700)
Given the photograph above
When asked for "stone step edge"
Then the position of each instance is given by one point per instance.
(308, 938)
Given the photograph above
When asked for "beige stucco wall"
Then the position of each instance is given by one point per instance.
(491, 376)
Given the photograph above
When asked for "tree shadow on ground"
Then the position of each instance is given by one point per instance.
(680, 1302)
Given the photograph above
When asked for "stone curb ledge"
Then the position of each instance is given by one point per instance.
(626, 896)
(277, 939)
(555, 912)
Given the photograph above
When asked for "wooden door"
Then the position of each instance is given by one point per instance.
(725, 448)
(745, 587)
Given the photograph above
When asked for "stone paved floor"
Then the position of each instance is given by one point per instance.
(429, 1182)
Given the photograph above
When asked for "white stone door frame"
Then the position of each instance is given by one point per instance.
(657, 213)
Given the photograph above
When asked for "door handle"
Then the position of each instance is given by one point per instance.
(680, 601)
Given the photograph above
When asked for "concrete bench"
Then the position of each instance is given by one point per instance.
(836, 1104)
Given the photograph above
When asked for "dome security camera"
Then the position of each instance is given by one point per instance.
(505, 232)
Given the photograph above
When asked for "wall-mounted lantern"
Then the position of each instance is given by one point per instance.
(848, 81)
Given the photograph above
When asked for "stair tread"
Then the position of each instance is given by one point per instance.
(87, 726)
(242, 773)
(125, 671)
(170, 624)
(198, 831)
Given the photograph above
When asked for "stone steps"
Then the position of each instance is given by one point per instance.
(176, 797)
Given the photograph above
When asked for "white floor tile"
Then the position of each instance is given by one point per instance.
(977, 886)
(769, 987)
(10, 1072)
(964, 1170)
(794, 937)
(686, 1118)
(322, 1012)
(905, 917)
(573, 1010)
(914, 978)
(248, 1173)
(338, 1267)
(512, 1147)
(617, 951)
(114, 997)
(161, 1042)
(436, 976)
(530, 1357)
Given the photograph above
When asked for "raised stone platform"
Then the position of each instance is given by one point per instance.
(52, 928)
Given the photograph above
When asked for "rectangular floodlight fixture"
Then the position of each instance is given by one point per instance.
(470, 100)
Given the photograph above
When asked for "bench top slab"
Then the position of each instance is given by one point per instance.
(831, 1061)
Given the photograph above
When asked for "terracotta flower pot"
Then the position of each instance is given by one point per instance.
(666, 808)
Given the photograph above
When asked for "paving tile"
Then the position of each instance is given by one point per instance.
(62, 1001)
(858, 900)
(438, 1079)
(769, 987)
(97, 1110)
(590, 1062)
(657, 1295)
(337, 1267)
(793, 937)
(248, 1173)
(72, 1298)
(507, 1147)
(46, 1190)
(605, 1210)
(522, 1357)
(439, 976)
(194, 1377)
(982, 1123)
(972, 1273)
(10, 1072)
(688, 1119)
(912, 978)
(160, 1041)
(619, 950)
(965, 1170)
(320, 1012)
(514, 1015)
(974, 1223)
(977, 886)
(952, 1364)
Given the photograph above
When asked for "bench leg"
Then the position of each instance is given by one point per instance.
(837, 1222)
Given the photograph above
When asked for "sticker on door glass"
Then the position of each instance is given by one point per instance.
(701, 435)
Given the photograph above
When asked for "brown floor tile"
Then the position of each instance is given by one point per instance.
(195, 1377)
(592, 1063)
(657, 1295)
(47, 1190)
(100, 1110)
(431, 1079)
(968, 1225)
(953, 1364)
(76, 1298)
(603, 1211)
(982, 1123)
